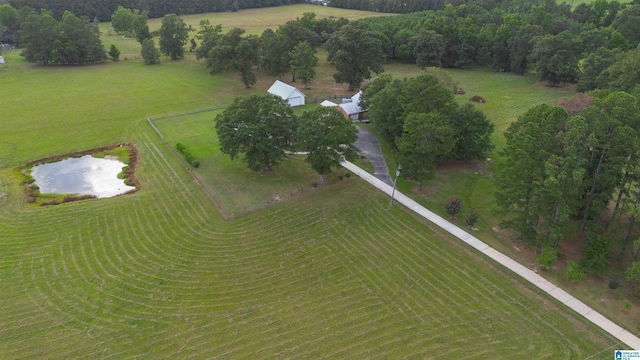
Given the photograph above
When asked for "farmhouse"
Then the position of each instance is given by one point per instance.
(350, 107)
(293, 96)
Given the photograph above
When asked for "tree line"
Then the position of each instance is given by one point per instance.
(574, 170)
(289, 48)
(559, 43)
(594, 43)
(102, 9)
(71, 41)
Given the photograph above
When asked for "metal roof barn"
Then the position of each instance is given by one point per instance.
(292, 95)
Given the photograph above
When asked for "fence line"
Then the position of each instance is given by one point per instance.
(184, 163)
(315, 100)
(186, 112)
(330, 97)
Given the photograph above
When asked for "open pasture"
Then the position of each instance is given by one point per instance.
(508, 95)
(235, 188)
(333, 273)
(254, 21)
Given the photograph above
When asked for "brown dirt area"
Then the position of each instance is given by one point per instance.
(453, 165)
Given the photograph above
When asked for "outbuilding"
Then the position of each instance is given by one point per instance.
(328, 103)
(351, 107)
(292, 95)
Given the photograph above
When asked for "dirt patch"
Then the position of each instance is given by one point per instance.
(570, 249)
(453, 165)
(574, 104)
(478, 99)
(417, 191)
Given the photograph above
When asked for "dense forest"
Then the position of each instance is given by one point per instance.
(102, 9)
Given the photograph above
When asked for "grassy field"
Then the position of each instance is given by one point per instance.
(323, 275)
(231, 183)
(254, 21)
(332, 273)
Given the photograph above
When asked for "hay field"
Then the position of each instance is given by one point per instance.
(334, 273)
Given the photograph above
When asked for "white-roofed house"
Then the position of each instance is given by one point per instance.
(328, 103)
(351, 107)
(292, 95)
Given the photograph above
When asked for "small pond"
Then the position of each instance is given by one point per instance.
(85, 175)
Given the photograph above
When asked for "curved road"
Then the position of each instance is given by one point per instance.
(370, 148)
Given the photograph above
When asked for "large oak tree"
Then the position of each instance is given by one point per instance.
(261, 127)
(173, 36)
(328, 137)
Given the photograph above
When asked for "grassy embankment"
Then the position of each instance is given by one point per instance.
(333, 273)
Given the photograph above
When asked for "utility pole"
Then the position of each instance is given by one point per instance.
(394, 182)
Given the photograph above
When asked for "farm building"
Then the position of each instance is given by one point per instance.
(328, 103)
(350, 107)
(293, 96)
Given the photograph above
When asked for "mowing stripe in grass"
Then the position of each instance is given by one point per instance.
(557, 293)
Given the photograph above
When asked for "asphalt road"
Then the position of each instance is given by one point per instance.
(370, 148)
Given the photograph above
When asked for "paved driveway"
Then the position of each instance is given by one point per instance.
(370, 148)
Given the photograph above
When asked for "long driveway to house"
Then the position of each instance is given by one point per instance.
(370, 148)
(527, 274)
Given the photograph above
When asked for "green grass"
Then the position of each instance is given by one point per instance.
(509, 96)
(254, 21)
(323, 275)
(230, 182)
(331, 273)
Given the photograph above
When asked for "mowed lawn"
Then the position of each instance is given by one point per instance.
(234, 187)
(331, 273)
(334, 273)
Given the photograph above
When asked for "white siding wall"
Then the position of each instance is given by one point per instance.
(296, 101)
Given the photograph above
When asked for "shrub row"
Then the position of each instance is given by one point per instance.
(187, 155)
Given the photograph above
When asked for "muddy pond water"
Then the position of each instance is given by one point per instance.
(85, 175)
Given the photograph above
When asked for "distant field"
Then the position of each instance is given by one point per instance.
(575, 3)
(254, 21)
(508, 95)
(333, 273)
